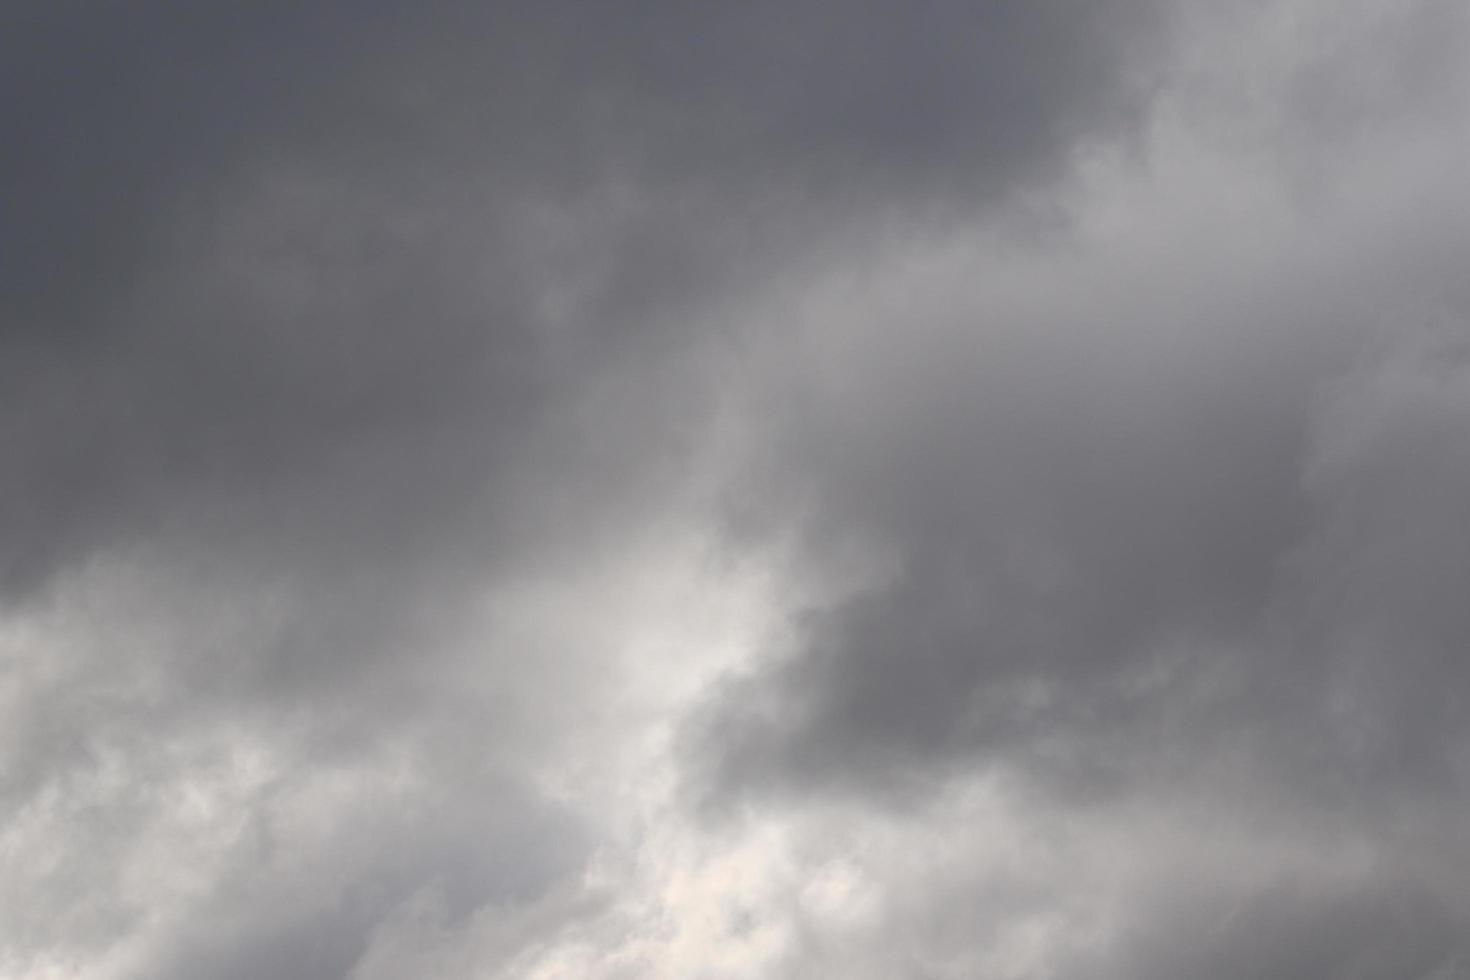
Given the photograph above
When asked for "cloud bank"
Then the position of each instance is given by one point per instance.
(779, 490)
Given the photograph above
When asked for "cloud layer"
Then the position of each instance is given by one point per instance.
(562, 490)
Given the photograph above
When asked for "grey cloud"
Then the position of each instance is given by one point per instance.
(1295, 929)
(420, 138)
(1264, 575)
(1284, 922)
(1193, 534)
(1392, 69)
(1057, 518)
(322, 323)
(1377, 579)
(486, 846)
(1104, 518)
(330, 333)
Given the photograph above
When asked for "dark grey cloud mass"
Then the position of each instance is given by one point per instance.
(571, 489)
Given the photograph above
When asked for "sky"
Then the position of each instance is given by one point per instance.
(547, 489)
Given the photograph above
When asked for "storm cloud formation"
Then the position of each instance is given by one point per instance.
(756, 490)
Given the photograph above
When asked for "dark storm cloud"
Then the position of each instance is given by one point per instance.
(1291, 929)
(359, 363)
(1102, 503)
(1109, 574)
(320, 321)
(1061, 511)
(1179, 535)
(135, 374)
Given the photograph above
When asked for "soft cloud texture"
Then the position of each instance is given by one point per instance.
(580, 490)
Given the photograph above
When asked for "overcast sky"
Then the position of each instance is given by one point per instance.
(777, 490)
